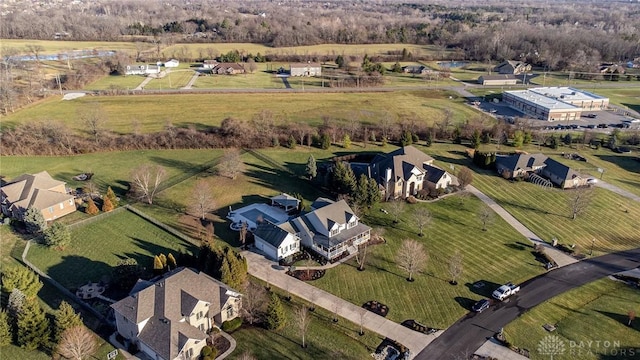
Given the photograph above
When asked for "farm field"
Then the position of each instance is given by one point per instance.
(258, 80)
(95, 248)
(56, 46)
(116, 82)
(593, 312)
(152, 112)
(175, 79)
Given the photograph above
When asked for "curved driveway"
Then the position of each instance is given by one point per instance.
(469, 333)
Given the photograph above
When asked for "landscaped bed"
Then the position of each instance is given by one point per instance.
(414, 325)
(307, 275)
(376, 307)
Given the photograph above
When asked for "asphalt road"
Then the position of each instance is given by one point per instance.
(469, 333)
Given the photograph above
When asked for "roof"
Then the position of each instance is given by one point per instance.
(560, 170)
(234, 66)
(271, 233)
(304, 65)
(541, 100)
(286, 200)
(498, 77)
(165, 301)
(521, 161)
(402, 162)
(34, 191)
(321, 202)
(566, 93)
(434, 174)
(336, 213)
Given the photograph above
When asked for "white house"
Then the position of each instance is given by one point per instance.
(276, 242)
(305, 69)
(172, 63)
(143, 69)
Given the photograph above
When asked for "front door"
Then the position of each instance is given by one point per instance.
(412, 188)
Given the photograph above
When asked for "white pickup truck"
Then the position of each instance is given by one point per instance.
(505, 291)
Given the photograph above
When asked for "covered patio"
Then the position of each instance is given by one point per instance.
(285, 201)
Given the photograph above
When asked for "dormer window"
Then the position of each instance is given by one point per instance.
(352, 224)
(334, 232)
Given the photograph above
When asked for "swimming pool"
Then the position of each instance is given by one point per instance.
(452, 64)
(251, 213)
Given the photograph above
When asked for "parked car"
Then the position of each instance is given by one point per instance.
(622, 150)
(592, 181)
(505, 291)
(603, 126)
(591, 116)
(481, 305)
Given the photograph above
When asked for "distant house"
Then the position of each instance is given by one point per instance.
(143, 69)
(415, 69)
(562, 175)
(512, 67)
(169, 318)
(172, 63)
(515, 166)
(276, 242)
(505, 79)
(305, 69)
(228, 69)
(41, 191)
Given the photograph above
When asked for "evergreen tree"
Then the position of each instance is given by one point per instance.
(126, 273)
(276, 317)
(163, 260)
(225, 274)
(21, 278)
(406, 138)
(112, 197)
(343, 179)
(397, 68)
(553, 142)
(486, 137)
(325, 141)
(57, 235)
(518, 138)
(15, 304)
(33, 326)
(428, 139)
(66, 318)
(291, 143)
(157, 265)
(360, 196)
(312, 168)
(373, 192)
(5, 329)
(106, 204)
(91, 209)
(34, 220)
(346, 141)
(171, 262)
(475, 139)
(233, 272)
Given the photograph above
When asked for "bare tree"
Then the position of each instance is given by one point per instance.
(456, 266)
(247, 356)
(396, 208)
(201, 201)
(377, 234)
(77, 343)
(146, 180)
(94, 119)
(422, 218)
(411, 257)
(303, 319)
(465, 177)
(254, 302)
(579, 200)
(243, 233)
(231, 164)
(486, 216)
(632, 316)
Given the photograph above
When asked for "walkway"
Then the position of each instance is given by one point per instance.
(618, 190)
(492, 349)
(191, 82)
(558, 256)
(144, 83)
(271, 272)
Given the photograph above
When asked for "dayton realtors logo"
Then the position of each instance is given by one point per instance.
(553, 346)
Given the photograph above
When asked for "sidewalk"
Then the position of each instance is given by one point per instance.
(271, 272)
(143, 83)
(558, 256)
(492, 349)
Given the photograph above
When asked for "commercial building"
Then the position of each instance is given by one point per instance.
(554, 103)
(505, 79)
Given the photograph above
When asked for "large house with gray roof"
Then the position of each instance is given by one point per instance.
(169, 318)
(520, 165)
(40, 191)
(276, 241)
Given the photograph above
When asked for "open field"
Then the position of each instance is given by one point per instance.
(56, 46)
(152, 112)
(625, 97)
(116, 81)
(596, 312)
(97, 247)
(175, 79)
(260, 79)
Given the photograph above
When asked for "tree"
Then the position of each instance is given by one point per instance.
(406, 138)
(243, 232)
(66, 318)
(254, 300)
(251, 65)
(476, 139)
(303, 319)
(518, 138)
(373, 193)
(15, 303)
(201, 201)
(77, 343)
(126, 273)
(94, 119)
(34, 220)
(346, 141)
(411, 257)
(146, 181)
(325, 141)
(171, 262)
(465, 177)
(157, 265)
(396, 208)
(21, 278)
(57, 235)
(311, 169)
(422, 218)
(632, 316)
(163, 260)
(33, 326)
(428, 139)
(361, 255)
(362, 314)
(360, 196)
(579, 200)
(231, 164)
(91, 209)
(276, 317)
(5, 329)
(343, 179)
(456, 266)
(106, 204)
(486, 216)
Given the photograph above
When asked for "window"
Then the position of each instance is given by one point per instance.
(51, 210)
(189, 353)
(230, 312)
(61, 206)
(70, 201)
(334, 232)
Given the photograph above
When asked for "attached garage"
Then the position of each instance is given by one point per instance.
(275, 242)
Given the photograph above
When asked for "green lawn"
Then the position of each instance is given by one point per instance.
(591, 313)
(129, 82)
(175, 79)
(152, 112)
(97, 247)
(56, 46)
(260, 79)
(627, 97)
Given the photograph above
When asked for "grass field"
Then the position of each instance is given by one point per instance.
(175, 79)
(152, 112)
(259, 79)
(95, 248)
(56, 46)
(116, 81)
(625, 97)
(596, 312)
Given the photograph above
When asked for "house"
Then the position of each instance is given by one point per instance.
(172, 63)
(330, 229)
(438, 178)
(401, 173)
(305, 69)
(143, 69)
(504, 79)
(518, 165)
(562, 175)
(512, 67)
(169, 318)
(41, 191)
(611, 68)
(228, 69)
(415, 69)
(275, 241)
(209, 64)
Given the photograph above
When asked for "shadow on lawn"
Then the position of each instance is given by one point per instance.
(622, 319)
(628, 163)
(145, 260)
(454, 160)
(281, 181)
(482, 287)
(466, 303)
(74, 271)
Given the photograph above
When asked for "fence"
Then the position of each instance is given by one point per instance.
(163, 226)
(260, 156)
(95, 218)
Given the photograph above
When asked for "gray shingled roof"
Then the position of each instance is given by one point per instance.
(560, 170)
(271, 233)
(34, 190)
(401, 161)
(521, 161)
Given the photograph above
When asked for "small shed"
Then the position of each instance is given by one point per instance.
(504, 79)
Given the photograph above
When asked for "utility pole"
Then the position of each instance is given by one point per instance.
(59, 83)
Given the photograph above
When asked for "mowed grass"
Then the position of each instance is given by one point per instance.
(610, 219)
(175, 79)
(625, 96)
(596, 312)
(128, 82)
(259, 79)
(56, 46)
(152, 112)
(97, 247)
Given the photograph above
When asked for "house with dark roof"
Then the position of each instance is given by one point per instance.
(40, 191)
(169, 318)
(518, 165)
(562, 175)
(415, 69)
(438, 178)
(276, 242)
(228, 69)
(512, 67)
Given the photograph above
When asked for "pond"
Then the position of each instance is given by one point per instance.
(76, 54)
(452, 64)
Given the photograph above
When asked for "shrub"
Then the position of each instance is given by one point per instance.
(206, 351)
(412, 200)
(231, 325)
